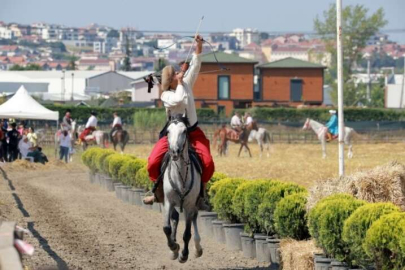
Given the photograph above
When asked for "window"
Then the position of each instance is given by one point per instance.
(224, 87)
(296, 90)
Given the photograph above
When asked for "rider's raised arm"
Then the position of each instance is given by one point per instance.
(195, 64)
(174, 98)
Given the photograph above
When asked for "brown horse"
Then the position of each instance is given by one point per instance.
(120, 137)
(225, 134)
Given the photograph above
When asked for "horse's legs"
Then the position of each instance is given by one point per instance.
(260, 142)
(323, 142)
(167, 229)
(350, 153)
(240, 149)
(247, 147)
(174, 221)
(186, 238)
(197, 239)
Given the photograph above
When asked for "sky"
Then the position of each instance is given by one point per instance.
(184, 15)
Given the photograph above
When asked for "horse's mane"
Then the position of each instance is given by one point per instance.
(180, 118)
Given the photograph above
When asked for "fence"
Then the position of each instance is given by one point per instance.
(280, 132)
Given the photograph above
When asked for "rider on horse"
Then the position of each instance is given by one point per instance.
(90, 126)
(178, 98)
(116, 125)
(332, 126)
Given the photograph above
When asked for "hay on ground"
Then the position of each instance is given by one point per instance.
(298, 255)
(384, 183)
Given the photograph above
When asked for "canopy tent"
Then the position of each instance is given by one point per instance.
(23, 106)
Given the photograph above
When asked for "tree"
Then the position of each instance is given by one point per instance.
(28, 67)
(358, 28)
(127, 60)
(113, 34)
(72, 63)
(160, 64)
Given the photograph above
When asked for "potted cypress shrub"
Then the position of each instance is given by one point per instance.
(254, 195)
(265, 215)
(356, 227)
(142, 180)
(218, 230)
(221, 194)
(331, 223)
(99, 163)
(87, 158)
(385, 242)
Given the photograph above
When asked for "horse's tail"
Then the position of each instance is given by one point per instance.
(106, 140)
(215, 138)
(266, 138)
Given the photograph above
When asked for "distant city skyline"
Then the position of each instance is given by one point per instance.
(181, 15)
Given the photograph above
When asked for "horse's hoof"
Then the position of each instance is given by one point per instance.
(175, 253)
(198, 253)
(183, 259)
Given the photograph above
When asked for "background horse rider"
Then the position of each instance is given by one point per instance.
(67, 121)
(178, 98)
(236, 124)
(116, 125)
(332, 126)
(90, 126)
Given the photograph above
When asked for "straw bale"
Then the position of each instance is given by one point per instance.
(298, 255)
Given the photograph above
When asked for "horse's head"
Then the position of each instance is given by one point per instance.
(74, 125)
(306, 125)
(254, 125)
(177, 136)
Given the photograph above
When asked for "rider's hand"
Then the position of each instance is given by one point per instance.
(184, 67)
(179, 77)
(199, 39)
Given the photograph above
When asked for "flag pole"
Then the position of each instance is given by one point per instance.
(340, 85)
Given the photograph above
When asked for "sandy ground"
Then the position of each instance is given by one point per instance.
(78, 225)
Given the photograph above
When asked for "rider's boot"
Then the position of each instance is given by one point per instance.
(157, 197)
(203, 199)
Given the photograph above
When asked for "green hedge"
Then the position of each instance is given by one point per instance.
(322, 114)
(383, 242)
(81, 114)
(356, 226)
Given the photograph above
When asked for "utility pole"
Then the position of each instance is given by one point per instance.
(369, 80)
(339, 32)
(63, 86)
(401, 101)
(73, 85)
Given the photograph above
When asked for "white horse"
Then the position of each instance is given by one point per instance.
(320, 130)
(97, 137)
(262, 136)
(181, 185)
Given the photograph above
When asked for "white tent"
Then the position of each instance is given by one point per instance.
(23, 106)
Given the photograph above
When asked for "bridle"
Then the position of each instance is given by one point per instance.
(184, 190)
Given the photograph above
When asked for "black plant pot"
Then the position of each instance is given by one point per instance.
(248, 245)
(218, 230)
(109, 183)
(262, 250)
(136, 196)
(321, 262)
(118, 188)
(206, 223)
(336, 265)
(232, 235)
(274, 247)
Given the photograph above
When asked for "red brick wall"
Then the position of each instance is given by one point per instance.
(276, 84)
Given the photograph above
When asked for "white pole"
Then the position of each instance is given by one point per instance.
(401, 101)
(340, 86)
(133, 97)
(369, 80)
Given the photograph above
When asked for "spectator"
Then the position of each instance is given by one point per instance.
(65, 143)
(25, 146)
(32, 137)
(13, 137)
(38, 155)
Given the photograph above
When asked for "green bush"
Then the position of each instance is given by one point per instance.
(221, 195)
(265, 213)
(98, 159)
(331, 223)
(253, 198)
(356, 226)
(115, 163)
(149, 119)
(129, 169)
(238, 201)
(142, 179)
(290, 217)
(216, 177)
(315, 213)
(88, 157)
(383, 242)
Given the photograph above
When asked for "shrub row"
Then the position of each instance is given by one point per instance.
(264, 206)
(359, 233)
(127, 169)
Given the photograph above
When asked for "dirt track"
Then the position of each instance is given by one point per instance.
(78, 225)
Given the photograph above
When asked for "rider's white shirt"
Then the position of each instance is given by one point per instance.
(182, 99)
(249, 120)
(92, 122)
(117, 121)
(235, 121)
